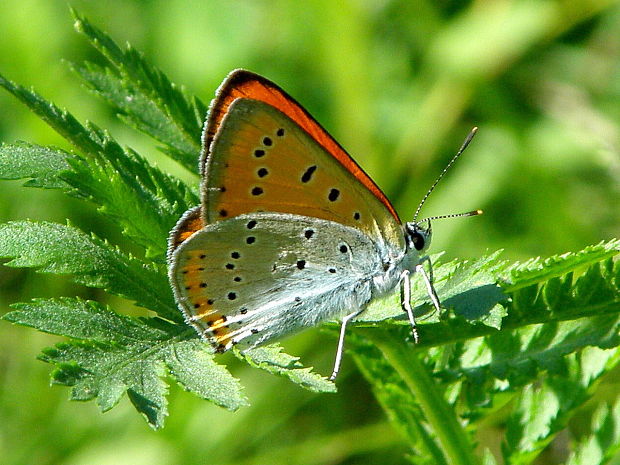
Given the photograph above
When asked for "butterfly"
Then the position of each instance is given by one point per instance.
(290, 231)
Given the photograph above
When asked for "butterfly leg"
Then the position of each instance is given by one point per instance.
(340, 349)
(428, 280)
(405, 301)
(405, 293)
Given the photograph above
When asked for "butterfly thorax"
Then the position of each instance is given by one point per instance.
(394, 257)
(417, 240)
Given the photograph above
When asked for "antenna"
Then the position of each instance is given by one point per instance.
(466, 142)
(453, 215)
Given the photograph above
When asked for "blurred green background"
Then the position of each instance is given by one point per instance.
(399, 84)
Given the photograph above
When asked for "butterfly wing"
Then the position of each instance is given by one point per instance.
(261, 160)
(245, 84)
(188, 224)
(258, 276)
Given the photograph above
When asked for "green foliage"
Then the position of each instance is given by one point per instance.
(600, 446)
(143, 96)
(556, 324)
(90, 261)
(543, 411)
(272, 359)
(539, 334)
(110, 354)
(41, 164)
(142, 199)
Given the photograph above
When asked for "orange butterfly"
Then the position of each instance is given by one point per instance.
(290, 231)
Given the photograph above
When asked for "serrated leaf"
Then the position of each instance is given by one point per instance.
(537, 270)
(468, 288)
(543, 411)
(43, 165)
(79, 319)
(594, 293)
(143, 200)
(585, 313)
(518, 356)
(271, 358)
(140, 112)
(60, 120)
(144, 96)
(58, 249)
(191, 364)
(539, 333)
(603, 443)
(111, 354)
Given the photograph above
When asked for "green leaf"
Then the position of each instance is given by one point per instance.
(140, 198)
(453, 441)
(58, 249)
(271, 358)
(396, 400)
(544, 324)
(561, 298)
(473, 292)
(191, 363)
(111, 354)
(603, 443)
(537, 270)
(543, 411)
(469, 289)
(43, 165)
(143, 200)
(60, 120)
(144, 96)
(79, 319)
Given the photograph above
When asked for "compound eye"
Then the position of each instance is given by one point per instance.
(418, 240)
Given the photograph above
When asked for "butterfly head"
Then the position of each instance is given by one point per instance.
(417, 236)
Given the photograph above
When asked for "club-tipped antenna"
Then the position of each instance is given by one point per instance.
(453, 215)
(466, 142)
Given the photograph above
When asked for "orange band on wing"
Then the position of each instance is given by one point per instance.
(189, 223)
(244, 84)
(201, 307)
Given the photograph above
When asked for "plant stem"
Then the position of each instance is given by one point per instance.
(439, 414)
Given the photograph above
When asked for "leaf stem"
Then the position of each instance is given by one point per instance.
(442, 418)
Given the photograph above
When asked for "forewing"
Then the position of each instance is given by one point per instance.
(261, 160)
(256, 277)
(242, 84)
